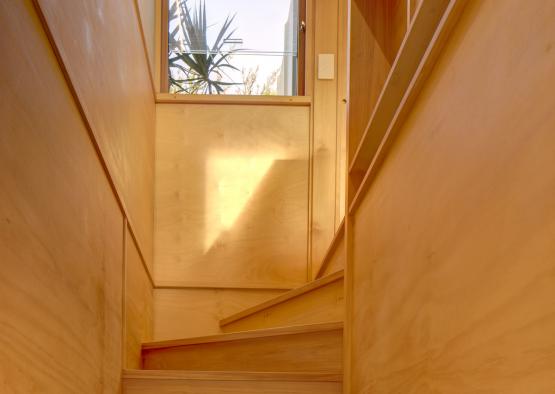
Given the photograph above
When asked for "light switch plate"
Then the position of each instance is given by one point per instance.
(326, 66)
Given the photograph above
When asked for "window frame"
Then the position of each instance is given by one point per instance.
(301, 56)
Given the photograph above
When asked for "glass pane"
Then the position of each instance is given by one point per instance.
(233, 46)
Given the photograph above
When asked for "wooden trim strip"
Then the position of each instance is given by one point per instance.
(445, 26)
(232, 376)
(404, 67)
(222, 285)
(284, 297)
(94, 140)
(143, 40)
(124, 293)
(294, 101)
(164, 52)
(339, 235)
(242, 335)
(301, 50)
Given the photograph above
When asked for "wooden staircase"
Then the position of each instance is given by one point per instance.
(185, 382)
(318, 301)
(291, 344)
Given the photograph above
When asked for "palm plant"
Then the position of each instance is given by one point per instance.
(194, 65)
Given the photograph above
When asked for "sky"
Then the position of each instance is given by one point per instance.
(259, 23)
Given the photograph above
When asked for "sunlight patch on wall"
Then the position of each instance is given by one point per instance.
(231, 181)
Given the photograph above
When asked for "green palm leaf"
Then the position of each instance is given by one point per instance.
(202, 65)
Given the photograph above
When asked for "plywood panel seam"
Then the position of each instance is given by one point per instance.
(92, 135)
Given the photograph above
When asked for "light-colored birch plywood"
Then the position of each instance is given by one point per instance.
(336, 260)
(231, 195)
(306, 348)
(453, 248)
(138, 305)
(319, 301)
(184, 313)
(186, 382)
(377, 29)
(61, 230)
(100, 45)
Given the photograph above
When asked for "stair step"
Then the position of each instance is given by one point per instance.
(217, 382)
(317, 301)
(232, 375)
(304, 348)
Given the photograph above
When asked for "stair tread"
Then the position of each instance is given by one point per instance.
(236, 336)
(232, 375)
(318, 283)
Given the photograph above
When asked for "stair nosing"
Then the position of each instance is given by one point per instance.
(280, 299)
(233, 375)
(242, 335)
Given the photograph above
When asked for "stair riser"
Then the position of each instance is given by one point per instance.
(321, 305)
(304, 352)
(158, 386)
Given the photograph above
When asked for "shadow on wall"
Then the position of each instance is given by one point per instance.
(232, 196)
(250, 204)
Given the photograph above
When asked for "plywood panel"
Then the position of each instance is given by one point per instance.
(377, 30)
(172, 386)
(454, 273)
(321, 305)
(138, 305)
(368, 67)
(334, 254)
(336, 260)
(412, 65)
(61, 230)
(160, 382)
(291, 350)
(231, 194)
(397, 24)
(147, 13)
(413, 6)
(101, 48)
(182, 313)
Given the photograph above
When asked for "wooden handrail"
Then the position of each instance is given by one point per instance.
(401, 90)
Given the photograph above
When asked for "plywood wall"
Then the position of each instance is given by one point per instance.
(102, 51)
(336, 260)
(147, 14)
(61, 230)
(176, 309)
(453, 246)
(231, 195)
(62, 210)
(138, 305)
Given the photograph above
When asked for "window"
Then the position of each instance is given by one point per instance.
(241, 47)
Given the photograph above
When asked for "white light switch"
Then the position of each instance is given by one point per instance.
(326, 66)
